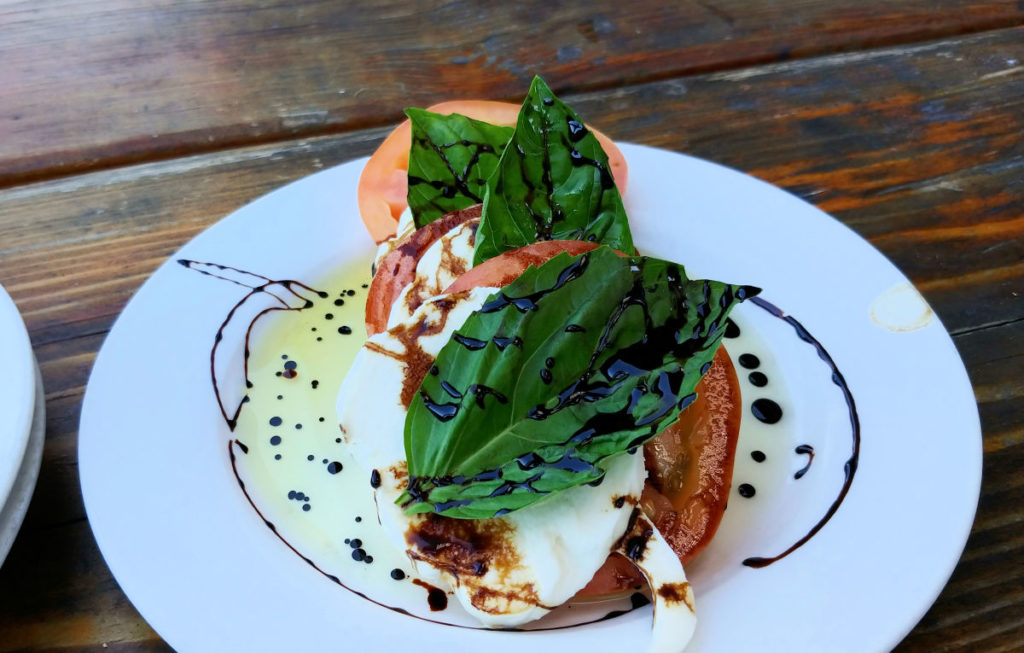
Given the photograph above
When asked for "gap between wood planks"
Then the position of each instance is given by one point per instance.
(963, 331)
(742, 68)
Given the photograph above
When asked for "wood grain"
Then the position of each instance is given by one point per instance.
(917, 148)
(98, 83)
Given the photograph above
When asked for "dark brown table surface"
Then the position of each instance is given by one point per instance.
(129, 126)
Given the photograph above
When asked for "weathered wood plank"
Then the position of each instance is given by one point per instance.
(982, 607)
(59, 595)
(102, 82)
(918, 149)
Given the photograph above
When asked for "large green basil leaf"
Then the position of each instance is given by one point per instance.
(553, 182)
(576, 361)
(449, 162)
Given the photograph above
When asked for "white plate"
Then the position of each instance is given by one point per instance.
(18, 398)
(13, 511)
(203, 569)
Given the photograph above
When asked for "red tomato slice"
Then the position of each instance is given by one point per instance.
(506, 268)
(383, 184)
(398, 268)
(689, 473)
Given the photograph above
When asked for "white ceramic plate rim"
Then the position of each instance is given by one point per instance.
(13, 512)
(17, 401)
(197, 563)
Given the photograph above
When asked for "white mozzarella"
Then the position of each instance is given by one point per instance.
(438, 267)
(405, 227)
(558, 545)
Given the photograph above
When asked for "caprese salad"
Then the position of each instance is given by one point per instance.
(543, 411)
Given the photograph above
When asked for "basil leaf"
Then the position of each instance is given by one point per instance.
(552, 182)
(578, 360)
(449, 162)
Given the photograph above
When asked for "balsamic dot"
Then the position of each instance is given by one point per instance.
(324, 461)
(275, 421)
(368, 559)
(329, 316)
(375, 479)
(298, 426)
(398, 574)
(322, 294)
(434, 371)
(344, 330)
(358, 555)
(358, 519)
(758, 379)
(275, 440)
(356, 543)
(339, 302)
(545, 376)
(731, 330)
(766, 410)
(758, 456)
(334, 468)
(305, 507)
(280, 396)
(277, 456)
(284, 357)
(365, 285)
(313, 329)
(320, 419)
(749, 361)
(315, 383)
(338, 440)
(351, 293)
(549, 363)
(291, 494)
(290, 365)
(746, 490)
(309, 457)
(318, 338)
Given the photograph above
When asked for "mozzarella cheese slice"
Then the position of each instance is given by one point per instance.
(439, 266)
(513, 569)
(505, 571)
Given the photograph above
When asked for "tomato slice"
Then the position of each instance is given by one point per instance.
(383, 184)
(505, 268)
(398, 268)
(689, 474)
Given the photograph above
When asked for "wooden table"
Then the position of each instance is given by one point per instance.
(127, 127)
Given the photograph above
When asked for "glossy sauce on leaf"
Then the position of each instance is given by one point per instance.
(578, 360)
(553, 182)
(449, 162)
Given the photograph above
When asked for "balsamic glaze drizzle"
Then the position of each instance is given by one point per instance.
(461, 178)
(292, 292)
(258, 285)
(850, 467)
(809, 451)
(221, 272)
